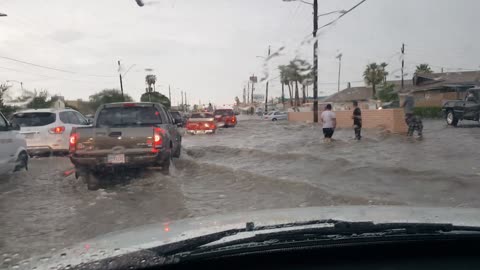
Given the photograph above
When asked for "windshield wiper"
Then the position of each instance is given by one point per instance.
(298, 232)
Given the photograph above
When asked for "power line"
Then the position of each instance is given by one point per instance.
(51, 68)
(335, 20)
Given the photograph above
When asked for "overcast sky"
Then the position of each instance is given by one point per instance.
(209, 47)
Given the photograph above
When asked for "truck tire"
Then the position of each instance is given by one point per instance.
(166, 166)
(451, 119)
(92, 181)
(177, 152)
(22, 162)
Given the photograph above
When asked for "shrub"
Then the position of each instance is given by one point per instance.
(428, 112)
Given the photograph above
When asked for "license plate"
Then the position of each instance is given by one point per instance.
(116, 158)
(28, 135)
(220, 124)
(200, 132)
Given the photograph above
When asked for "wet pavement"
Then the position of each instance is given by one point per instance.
(256, 165)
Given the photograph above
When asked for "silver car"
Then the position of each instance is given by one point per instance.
(276, 115)
(48, 130)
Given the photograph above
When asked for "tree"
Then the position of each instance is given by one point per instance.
(107, 96)
(150, 80)
(423, 68)
(374, 75)
(5, 109)
(40, 100)
(285, 80)
(383, 67)
(387, 93)
(156, 97)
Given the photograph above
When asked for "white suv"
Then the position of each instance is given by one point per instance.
(13, 148)
(48, 130)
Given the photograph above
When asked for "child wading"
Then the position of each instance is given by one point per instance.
(329, 122)
(357, 121)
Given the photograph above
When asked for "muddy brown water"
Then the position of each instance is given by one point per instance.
(256, 165)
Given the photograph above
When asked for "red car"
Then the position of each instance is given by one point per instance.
(201, 123)
(225, 118)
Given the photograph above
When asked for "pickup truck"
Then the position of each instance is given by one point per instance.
(466, 109)
(124, 135)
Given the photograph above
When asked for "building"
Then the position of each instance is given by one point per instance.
(435, 88)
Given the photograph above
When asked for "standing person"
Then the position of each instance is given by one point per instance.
(414, 122)
(329, 123)
(357, 120)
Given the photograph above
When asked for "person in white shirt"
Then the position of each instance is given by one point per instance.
(329, 123)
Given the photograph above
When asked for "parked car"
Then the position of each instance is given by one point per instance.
(466, 109)
(225, 118)
(179, 119)
(201, 123)
(48, 130)
(275, 116)
(125, 135)
(13, 148)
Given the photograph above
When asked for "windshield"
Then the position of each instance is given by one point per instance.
(149, 112)
(33, 119)
(128, 116)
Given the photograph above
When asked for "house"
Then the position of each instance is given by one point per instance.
(343, 99)
(435, 88)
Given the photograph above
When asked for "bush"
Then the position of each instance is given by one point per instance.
(428, 112)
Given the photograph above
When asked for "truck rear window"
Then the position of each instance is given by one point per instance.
(128, 116)
(201, 115)
(33, 119)
(224, 112)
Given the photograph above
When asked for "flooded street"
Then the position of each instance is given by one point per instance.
(256, 165)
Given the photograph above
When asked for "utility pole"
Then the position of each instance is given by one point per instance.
(248, 92)
(244, 94)
(315, 62)
(339, 57)
(403, 63)
(186, 103)
(266, 87)
(169, 94)
(183, 105)
(121, 82)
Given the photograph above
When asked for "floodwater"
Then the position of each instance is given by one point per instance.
(256, 165)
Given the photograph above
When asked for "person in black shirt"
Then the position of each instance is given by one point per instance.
(357, 120)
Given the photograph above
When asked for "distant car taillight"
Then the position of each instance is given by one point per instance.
(57, 130)
(74, 136)
(158, 134)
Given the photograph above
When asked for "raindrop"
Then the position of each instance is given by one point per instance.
(15, 266)
(143, 261)
(116, 250)
(7, 259)
(44, 259)
(63, 254)
(15, 255)
(5, 254)
(68, 266)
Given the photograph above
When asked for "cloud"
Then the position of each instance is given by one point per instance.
(67, 36)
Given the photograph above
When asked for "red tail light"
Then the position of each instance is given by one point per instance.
(129, 105)
(73, 141)
(158, 134)
(57, 130)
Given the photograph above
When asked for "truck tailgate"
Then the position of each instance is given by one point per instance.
(102, 141)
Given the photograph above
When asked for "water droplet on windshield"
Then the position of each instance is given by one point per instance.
(63, 254)
(116, 250)
(15, 266)
(8, 259)
(44, 259)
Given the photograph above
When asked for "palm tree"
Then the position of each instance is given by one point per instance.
(283, 81)
(151, 80)
(286, 78)
(383, 66)
(373, 75)
(423, 68)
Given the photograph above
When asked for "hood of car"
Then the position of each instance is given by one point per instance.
(154, 235)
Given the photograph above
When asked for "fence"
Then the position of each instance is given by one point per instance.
(391, 120)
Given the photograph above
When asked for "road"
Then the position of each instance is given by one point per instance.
(256, 165)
